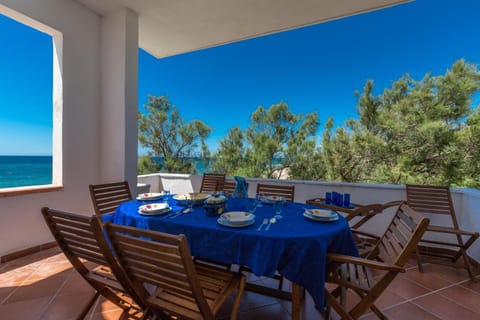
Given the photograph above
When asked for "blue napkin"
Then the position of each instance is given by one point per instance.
(241, 188)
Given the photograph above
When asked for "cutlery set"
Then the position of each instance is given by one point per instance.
(267, 223)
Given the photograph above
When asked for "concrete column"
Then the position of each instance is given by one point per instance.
(119, 97)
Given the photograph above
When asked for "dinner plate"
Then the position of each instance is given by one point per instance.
(149, 196)
(271, 199)
(154, 209)
(321, 219)
(197, 198)
(224, 222)
(324, 213)
(238, 217)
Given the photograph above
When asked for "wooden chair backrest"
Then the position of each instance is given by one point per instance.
(367, 212)
(81, 240)
(107, 197)
(212, 181)
(401, 237)
(288, 192)
(162, 260)
(228, 186)
(431, 200)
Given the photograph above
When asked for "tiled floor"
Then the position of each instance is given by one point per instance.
(44, 286)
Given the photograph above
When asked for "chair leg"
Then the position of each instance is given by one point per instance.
(468, 266)
(238, 298)
(332, 302)
(379, 313)
(280, 283)
(419, 259)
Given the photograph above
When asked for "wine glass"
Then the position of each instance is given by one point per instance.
(251, 205)
(259, 197)
(278, 207)
(166, 193)
(189, 202)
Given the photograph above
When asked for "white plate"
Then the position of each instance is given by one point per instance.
(198, 198)
(322, 219)
(324, 213)
(238, 217)
(149, 196)
(154, 209)
(272, 199)
(224, 222)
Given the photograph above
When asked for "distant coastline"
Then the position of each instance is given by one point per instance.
(25, 170)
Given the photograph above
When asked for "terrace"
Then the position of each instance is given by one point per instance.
(95, 141)
(44, 286)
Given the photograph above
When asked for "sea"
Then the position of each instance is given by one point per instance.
(20, 171)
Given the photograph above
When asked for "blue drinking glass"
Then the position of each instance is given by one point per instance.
(328, 198)
(346, 200)
(340, 200)
(334, 198)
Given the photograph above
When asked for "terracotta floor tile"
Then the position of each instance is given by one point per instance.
(104, 305)
(388, 298)
(275, 311)
(44, 288)
(426, 279)
(5, 292)
(451, 274)
(475, 286)
(406, 289)
(75, 284)
(444, 308)
(118, 315)
(66, 306)
(409, 311)
(25, 309)
(15, 276)
(28, 285)
(463, 296)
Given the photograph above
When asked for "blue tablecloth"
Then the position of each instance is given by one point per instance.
(295, 246)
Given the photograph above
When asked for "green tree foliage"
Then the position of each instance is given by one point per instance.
(277, 140)
(147, 165)
(415, 132)
(230, 156)
(166, 134)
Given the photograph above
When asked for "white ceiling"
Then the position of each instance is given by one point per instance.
(169, 27)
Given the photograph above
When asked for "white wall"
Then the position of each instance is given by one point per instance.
(118, 125)
(22, 225)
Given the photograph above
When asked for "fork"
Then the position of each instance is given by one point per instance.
(270, 222)
(265, 221)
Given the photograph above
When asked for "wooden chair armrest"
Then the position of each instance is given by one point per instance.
(365, 234)
(340, 258)
(452, 231)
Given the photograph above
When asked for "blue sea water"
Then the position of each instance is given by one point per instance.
(19, 171)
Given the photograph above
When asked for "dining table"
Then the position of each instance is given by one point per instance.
(294, 245)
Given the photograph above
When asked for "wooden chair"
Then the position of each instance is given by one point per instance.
(366, 241)
(227, 186)
(368, 278)
(212, 181)
(436, 200)
(163, 263)
(288, 192)
(81, 240)
(107, 197)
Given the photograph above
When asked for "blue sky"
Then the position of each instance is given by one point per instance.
(316, 68)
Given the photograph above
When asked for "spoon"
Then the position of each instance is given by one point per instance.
(270, 222)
